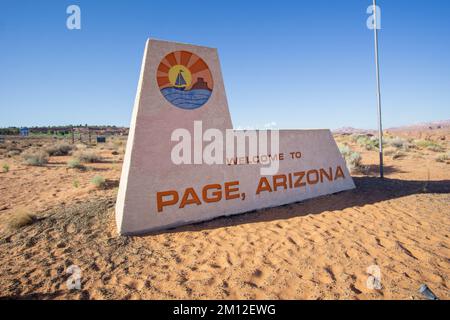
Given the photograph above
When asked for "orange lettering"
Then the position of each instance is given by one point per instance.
(217, 195)
(160, 201)
(263, 185)
(194, 198)
(308, 178)
(281, 183)
(298, 183)
(339, 173)
(329, 174)
(228, 190)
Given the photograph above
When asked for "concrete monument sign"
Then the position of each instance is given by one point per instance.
(184, 163)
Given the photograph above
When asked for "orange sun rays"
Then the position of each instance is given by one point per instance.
(195, 64)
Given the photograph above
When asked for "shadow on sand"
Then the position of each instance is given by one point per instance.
(368, 190)
(78, 295)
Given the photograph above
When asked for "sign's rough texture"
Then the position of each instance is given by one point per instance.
(181, 84)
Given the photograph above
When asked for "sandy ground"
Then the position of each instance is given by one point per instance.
(317, 249)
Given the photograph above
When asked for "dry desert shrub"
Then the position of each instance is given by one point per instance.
(399, 143)
(20, 218)
(398, 155)
(5, 168)
(369, 142)
(354, 162)
(389, 151)
(445, 157)
(75, 164)
(59, 149)
(436, 148)
(430, 145)
(99, 182)
(118, 143)
(353, 159)
(80, 146)
(14, 152)
(87, 156)
(35, 157)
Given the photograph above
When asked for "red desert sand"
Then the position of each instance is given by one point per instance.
(316, 249)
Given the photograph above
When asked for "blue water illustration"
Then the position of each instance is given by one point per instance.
(191, 99)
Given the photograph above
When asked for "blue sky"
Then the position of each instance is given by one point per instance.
(299, 64)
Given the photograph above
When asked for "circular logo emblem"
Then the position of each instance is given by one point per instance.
(184, 80)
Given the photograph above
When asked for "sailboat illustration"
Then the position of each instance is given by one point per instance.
(180, 83)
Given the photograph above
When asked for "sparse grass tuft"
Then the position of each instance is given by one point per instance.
(430, 145)
(399, 143)
(118, 143)
(80, 146)
(345, 150)
(75, 164)
(398, 154)
(5, 168)
(369, 142)
(443, 157)
(35, 157)
(389, 151)
(59, 149)
(13, 152)
(87, 156)
(76, 183)
(20, 218)
(436, 148)
(99, 182)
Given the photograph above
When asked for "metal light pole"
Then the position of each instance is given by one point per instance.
(380, 128)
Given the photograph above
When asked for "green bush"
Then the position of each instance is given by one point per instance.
(352, 159)
(369, 142)
(99, 182)
(345, 150)
(5, 167)
(35, 157)
(423, 143)
(430, 145)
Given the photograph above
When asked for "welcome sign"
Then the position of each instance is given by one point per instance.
(184, 163)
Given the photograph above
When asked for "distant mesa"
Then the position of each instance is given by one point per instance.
(201, 84)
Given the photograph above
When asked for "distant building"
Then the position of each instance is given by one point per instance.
(24, 132)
